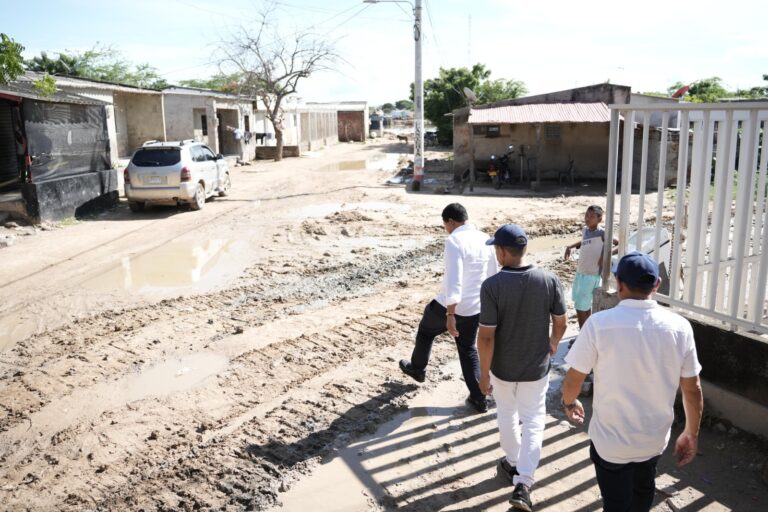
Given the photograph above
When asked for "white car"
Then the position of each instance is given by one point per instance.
(175, 172)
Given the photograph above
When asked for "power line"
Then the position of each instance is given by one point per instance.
(366, 6)
(438, 50)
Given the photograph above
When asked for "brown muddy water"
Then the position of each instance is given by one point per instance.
(174, 265)
(380, 163)
(165, 378)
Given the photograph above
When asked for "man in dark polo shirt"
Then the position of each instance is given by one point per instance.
(515, 344)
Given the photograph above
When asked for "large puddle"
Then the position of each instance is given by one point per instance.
(550, 243)
(323, 210)
(380, 163)
(174, 265)
(171, 376)
(163, 379)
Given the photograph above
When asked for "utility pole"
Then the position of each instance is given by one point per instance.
(418, 94)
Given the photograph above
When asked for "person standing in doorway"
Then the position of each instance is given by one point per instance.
(640, 354)
(468, 262)
(515, 344)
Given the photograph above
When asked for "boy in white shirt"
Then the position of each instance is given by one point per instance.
(590, 262)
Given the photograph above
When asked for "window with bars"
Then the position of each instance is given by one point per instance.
(552, 131)
(488, 130)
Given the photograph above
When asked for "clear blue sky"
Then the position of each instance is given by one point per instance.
(549, 45)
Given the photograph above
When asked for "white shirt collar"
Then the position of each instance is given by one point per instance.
(639, 304)
(463, 227)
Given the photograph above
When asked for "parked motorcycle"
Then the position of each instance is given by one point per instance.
(502, 168)
(493, 170)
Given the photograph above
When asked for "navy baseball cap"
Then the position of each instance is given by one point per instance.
(509, 235)
(637, 270)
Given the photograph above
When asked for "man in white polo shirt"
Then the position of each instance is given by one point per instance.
(640, 353)
(468, 262)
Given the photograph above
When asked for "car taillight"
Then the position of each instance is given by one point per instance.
(186, 174)
(126, 176)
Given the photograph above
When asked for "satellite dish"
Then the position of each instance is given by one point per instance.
(470, 95)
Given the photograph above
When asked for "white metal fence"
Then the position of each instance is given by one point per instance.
(718, 263)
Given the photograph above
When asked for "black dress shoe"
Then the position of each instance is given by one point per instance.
(521, 498)
(480, 406)
(409, 370)
(508, 470)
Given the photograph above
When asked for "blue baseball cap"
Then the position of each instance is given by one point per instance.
(509, 235)
(637, 270)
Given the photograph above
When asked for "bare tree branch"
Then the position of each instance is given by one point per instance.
(270, 69)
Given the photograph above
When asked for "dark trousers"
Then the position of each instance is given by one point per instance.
(432, 325)
(625, 487)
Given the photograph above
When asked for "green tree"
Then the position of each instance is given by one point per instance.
(704, 90)
(45, 86)
(387, 108)
(404, 105)
(445, 93)
(759, 91)
(707, 90)
(500, 89)
(99, 63)
(11, 61)
(218, 82)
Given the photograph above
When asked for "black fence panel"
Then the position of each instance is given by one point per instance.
(65, 139)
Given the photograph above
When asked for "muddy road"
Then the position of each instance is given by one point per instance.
(223, 359)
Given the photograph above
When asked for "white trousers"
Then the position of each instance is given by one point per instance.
(521, 402)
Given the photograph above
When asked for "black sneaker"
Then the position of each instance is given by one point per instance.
(521, 498)
(408, 369)
(507, 469)
(480, 405)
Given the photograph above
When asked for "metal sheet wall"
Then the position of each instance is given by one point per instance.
(9, 163)
(65, 139)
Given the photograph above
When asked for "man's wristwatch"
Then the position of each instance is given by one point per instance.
(570, 406)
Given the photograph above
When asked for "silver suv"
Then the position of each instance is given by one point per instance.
(175, 172)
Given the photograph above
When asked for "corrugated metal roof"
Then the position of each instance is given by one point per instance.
(71, 82)
(23, 87)
(542, 113)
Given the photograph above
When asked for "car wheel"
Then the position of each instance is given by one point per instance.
(136, 206)
(199, 200)
(225, 186)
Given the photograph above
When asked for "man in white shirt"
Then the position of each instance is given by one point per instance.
(640, 353)
(468, 262)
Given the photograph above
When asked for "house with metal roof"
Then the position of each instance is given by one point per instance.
(548, 132)
(556, 135)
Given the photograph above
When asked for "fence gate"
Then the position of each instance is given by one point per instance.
(718, 262)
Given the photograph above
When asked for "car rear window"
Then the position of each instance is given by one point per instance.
(159, 157)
